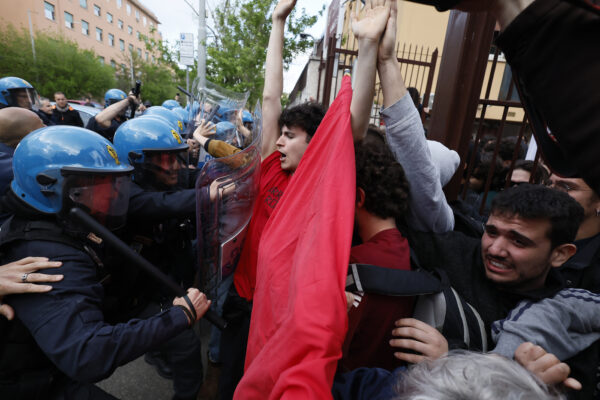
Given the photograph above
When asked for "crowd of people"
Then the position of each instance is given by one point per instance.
(494, 296)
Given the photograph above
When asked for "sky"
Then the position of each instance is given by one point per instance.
(177, 17)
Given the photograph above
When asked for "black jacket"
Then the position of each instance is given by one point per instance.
(69, 117)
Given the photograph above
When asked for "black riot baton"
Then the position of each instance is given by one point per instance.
(188, 94)
(139, 261)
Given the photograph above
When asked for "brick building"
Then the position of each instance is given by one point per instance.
(111, 28)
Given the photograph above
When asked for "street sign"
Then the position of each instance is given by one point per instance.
(186, 48)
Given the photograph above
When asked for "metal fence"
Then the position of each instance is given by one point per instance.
(418, 66)
(493, 125)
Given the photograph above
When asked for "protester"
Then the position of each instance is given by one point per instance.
(534, 374)
(45, 112)
(583, 269)
(523, 171)
(527, 237)
(63, 113)
(22, 276)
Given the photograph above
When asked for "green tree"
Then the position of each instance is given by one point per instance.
(60, 65)
(237, 56)
(160, 76)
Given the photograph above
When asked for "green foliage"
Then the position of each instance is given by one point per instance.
(237, 56)
(59, 66)
(159, 78)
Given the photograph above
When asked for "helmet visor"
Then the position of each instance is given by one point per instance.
(167, 169)
(105, 197)
(25, 98)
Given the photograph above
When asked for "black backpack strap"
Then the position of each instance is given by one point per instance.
(368, 278)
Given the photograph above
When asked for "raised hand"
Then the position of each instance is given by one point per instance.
(204, 130)
(283, 9)
(420, 337)
(370, 23)
(387, 46)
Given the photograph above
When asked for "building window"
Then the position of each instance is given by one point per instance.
(101, 59)
(144, 20)
(153, 59)
(128, 9)
(119, 3)
(130, 48)
(113, 64)
(139, 52)
(83, 3)
(109, 18)
(123, 67)
(147, 55)
(99, 34)
(49, 11)
(121, 45)
(120, 24)
(151, 24)
(68, 20)
(137, 15)
(85, 28)
(96, 10)
(137, 34)
(129, 29)
(111, 39)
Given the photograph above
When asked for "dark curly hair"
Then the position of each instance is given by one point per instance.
(540, 175)
(306, 116)
(381, 177)
(539, 202)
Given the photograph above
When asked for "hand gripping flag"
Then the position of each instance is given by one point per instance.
(299, 318)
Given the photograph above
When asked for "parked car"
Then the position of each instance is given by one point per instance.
(82, 102)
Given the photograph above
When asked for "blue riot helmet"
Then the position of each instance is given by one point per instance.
(169, 115)
(113, 96)
(246, 116)
(17, 92)
(156, 151)
(227, 132)
(247, 119)
(170, 104)
(60, 167)
(182, 115)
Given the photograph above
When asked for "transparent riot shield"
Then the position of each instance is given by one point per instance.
(226, 189)
(219, 106)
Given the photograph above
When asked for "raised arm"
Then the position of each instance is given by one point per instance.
(271, 107)
(104, 117)
(368, 28)
(428, 209)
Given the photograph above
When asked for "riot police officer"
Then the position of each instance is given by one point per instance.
(159, 157)
(17, 92)
(116, 104)
(60, 344)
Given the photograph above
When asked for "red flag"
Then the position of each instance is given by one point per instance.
(299, 318)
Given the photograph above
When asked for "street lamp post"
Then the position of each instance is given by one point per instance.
(202, 42)
(201, 13)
